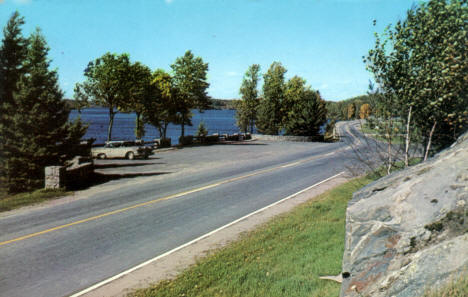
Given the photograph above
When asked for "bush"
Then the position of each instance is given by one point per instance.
(165, 142)
(186, 140)
(202, 131)
(234, 137)
(211, 139)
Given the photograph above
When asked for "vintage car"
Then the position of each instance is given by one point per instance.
(121, 149)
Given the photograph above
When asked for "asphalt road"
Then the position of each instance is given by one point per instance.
(148, 207)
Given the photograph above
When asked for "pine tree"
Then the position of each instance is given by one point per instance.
(12, 53)
(40, 122)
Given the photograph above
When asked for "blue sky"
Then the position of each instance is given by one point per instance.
(322, 41)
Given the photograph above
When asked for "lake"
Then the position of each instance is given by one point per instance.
(216, 121)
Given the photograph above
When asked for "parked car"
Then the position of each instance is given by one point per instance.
(121, 149)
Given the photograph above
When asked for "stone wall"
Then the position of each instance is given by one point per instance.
(282, 138)
(76, 172)
(408, 232)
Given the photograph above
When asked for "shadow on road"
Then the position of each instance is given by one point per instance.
(101, 178)
(119, 165)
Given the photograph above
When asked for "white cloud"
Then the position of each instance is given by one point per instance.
(168, 1)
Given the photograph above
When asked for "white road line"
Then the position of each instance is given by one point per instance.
(100, 284)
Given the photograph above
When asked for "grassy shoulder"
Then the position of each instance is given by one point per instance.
(9, 202)
(284, 257)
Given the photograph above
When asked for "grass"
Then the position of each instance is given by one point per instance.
(284, 257)
(376, 134)
(9, 202)
(456, 288)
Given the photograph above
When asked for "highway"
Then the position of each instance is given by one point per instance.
(152, 207)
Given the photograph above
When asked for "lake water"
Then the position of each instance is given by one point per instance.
(216, 121)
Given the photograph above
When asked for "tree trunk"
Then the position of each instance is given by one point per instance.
(429, 141)
(389, 140)
(138, 128)
(183, 126)
(160, 129)
(408, 136)
(111, 122)
(165, 129)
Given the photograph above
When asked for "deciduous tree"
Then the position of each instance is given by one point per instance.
(107, 84)
(269, 113)
(422, 63)
(190, 80)
(247, 110)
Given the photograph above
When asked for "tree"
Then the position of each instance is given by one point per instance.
(139, 91)
(422, 63)
(190, 80)
(201, 131)
(365, 111)
(269, 112)
(247, 109)
(161, 107)
(107, 84)
(43, 134)
(304, 111)
(13, 52)
(242, 116)
(351, 111)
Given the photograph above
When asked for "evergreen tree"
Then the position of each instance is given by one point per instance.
(43, 135)
(13, 51)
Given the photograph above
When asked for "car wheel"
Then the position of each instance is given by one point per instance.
(130, 155)
(102, 156)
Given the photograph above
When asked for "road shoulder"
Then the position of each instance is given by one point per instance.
(169, 266)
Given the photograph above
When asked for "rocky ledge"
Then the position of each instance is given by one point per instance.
(408, 232)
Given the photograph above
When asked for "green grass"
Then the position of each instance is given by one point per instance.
(396, 139)
(456, 288)
(284, 257)
(9, 202)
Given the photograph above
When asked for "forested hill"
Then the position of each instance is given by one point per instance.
(351, 108)
(215, 103)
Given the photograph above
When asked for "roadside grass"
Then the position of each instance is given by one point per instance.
(456, 288)
(377, 135)
(9, 202)
(283, 257)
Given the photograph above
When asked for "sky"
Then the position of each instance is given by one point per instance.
(322, 41)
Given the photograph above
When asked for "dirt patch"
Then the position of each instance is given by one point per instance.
(169, 266)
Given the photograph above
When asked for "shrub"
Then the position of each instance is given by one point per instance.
(186, 140)
(211, 139)
(165, 142)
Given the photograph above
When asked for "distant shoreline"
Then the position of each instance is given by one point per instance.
(216, 104)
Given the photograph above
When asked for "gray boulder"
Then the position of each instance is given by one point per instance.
(408, 231)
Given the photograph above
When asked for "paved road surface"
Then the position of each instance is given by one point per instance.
(152, 206)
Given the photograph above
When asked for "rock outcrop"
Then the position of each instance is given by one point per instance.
(409, 231)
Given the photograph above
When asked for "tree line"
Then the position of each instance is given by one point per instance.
(34, 128)
(157, 97)
(420, 68)
(284, 106)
